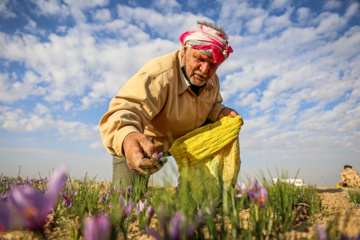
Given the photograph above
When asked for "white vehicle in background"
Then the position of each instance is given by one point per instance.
(298, 182)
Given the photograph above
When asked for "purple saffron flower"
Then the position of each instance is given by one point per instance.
(97, 228)
(238, 195)
(4, 216)
(320, 232)
(199, 219)
(149, 213)
(68, 198)
(104, 197)
(254, 184)
(33, 206)
(140, 206)
(242, 187)
(125, 207)
(113, 190)
(257, 194)
(262, 196)
(128, 190)
(4, 196)
(175, 225)
(211, 210)
(175, 229)
(152, 232)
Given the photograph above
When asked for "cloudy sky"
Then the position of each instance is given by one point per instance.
(293, 76)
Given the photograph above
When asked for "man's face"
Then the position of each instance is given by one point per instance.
(199, 67)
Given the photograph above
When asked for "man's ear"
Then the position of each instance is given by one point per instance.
(183, 50)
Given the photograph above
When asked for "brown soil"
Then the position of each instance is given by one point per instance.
(335, 207)
(337, 212)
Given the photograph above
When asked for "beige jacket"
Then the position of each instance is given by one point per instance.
(156, 101)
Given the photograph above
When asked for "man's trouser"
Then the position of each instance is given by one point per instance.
(123, 175)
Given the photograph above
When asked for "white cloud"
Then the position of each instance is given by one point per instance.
(166, 6)
(176, 23)
(255, 24)
(279, 4)
(102, 15)
(86, 4)
(41, 109)
(352, 10)
(12, 90)
(5, 10)
(32, 28)
(329, 24)
(302, 14)
(51, 7)
(17, 120)
(329, 4)
(97, 145)
(276, 23)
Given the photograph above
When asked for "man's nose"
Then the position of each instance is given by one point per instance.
(204, 67)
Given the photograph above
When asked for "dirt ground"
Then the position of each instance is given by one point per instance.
(335, 207)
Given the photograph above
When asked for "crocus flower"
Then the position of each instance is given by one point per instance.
(97, 228)
(104, 197)
(4, 196)
(4, 216)
(140, 206)
(126, 207)
(113, 190)
(320, 232)
(175, 225)
(149, 213)
(34, 206)
(129, 190)
(199, 219)
(175, 229)
(211, 210)
(257, 194)
(243, 189)
(68, 198)
(262, 196)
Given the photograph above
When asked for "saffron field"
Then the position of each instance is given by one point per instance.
(64, 208)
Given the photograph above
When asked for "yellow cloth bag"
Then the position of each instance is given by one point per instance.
(208, 158)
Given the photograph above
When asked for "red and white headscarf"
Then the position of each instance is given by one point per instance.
(208, 41)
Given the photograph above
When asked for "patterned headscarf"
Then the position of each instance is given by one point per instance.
(208, 41)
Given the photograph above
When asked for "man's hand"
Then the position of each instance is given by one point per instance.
(135, 146)
(228, 112)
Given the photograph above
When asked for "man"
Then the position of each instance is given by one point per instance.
(169, 97)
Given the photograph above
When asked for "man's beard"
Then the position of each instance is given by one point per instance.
(198, 72)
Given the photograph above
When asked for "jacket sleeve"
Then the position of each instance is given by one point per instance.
(138, 101)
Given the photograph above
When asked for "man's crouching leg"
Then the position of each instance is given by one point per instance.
(124, 176)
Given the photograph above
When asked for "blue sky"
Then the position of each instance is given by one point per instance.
(293, 76)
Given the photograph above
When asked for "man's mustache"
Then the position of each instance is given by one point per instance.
(200, 73)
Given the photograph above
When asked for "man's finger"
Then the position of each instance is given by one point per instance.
(147, 163)
(156, 168)
(233, 113)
